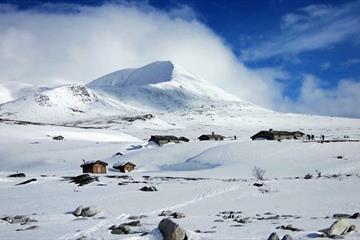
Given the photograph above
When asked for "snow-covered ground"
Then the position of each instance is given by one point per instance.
(119, 112)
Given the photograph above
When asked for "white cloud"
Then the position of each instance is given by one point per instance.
(341, 100)
(313, 27)
(39, 47)
(351, 62)
(325, 65)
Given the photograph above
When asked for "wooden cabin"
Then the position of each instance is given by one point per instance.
(212, 136)
(163, 139)
(94, 167)
(125, 167)
(277, 135)
(59, 138)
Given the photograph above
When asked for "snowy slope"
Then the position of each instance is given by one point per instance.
(60, 104)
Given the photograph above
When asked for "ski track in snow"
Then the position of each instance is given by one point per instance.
(124, 216)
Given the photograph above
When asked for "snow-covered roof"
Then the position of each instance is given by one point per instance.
(92, 162)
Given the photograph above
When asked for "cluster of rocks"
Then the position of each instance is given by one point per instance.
(139, 117)
(336, 231)
(82, 179)
(237, 216)
(174, 178)
(172, 214)
(148, 189)
(21, 219)
(125, 228)
(91, 211)
(131, 182)
(289, 227)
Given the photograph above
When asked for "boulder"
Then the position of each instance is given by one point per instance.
(78, 211)
(337, 228)
(287, 237)
(273, 236)
(89, 211)
(148, 189)
(122, 229)
(171, 230)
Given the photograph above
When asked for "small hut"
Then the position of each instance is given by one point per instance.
(212, 136)
(94, 166)
(125, 167)
(277, 135)
(163, 139)
(59, 138)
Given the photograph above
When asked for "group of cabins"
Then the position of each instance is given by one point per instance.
(164, 139)
(100, 166)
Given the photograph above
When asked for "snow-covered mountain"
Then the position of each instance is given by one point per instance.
(157, 87)
(160, 85)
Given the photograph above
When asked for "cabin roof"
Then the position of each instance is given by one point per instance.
(122, 164)
(93, 162)
(273, 132)
(163, 137)
(212, 136)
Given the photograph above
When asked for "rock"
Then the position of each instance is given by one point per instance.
(355, 215)
(287, 237)
(341, 215)
(148, 189)
(18, 219)
(78, 211)
(337, 228)
(28, 228)
(258, 184)
(122, 229)
(178, 215)
(132, 224)
(289, 227)
(83, 179)
(27, 181)
(90, 211)
(273, 236)
(171, 230)
(17, 175)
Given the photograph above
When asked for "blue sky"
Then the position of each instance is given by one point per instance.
(309, 49)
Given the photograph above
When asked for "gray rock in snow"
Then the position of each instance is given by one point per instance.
(287, 237)
(78, 211)
(171, 230)
(355, 215)
(273, 236)
(339, 227)
(28, 228)
(89, 211)
(122, 229)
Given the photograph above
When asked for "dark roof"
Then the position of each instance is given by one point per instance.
(183, 139)
(94, 162)
(163, 137)
(272, 132)
(211, 136)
